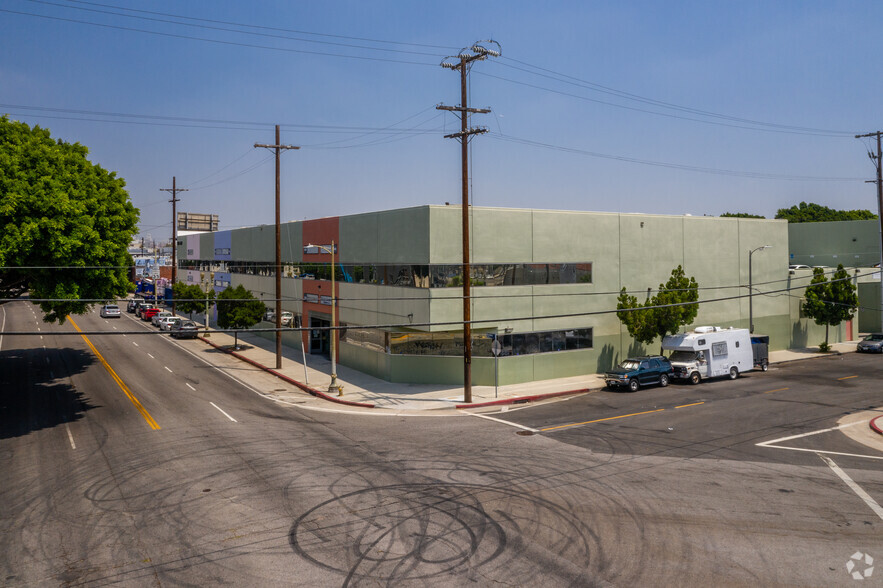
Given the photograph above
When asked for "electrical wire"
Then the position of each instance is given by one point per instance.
(678, 166)
(474, 322)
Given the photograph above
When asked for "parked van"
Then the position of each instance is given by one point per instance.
(710, 352)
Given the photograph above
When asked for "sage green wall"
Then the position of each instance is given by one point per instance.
(869, 303)
(852, 243)
(634, 251)
(393, 236)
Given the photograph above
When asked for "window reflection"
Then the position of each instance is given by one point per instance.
(451, 344)
(411, 275)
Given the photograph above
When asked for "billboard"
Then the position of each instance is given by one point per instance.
(191, 221)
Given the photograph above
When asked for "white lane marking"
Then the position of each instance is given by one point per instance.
(150, 356)
(767, 443)
(135, 344)
(41, 337)
(853, 486)
(2, 327)
(300, 403)
(114, 328)
(484, 416)
(223, 413)
(771, 443)
(70, 436)
(170, 371)
(189, 386)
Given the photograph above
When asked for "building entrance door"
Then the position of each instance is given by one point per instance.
(319, 339)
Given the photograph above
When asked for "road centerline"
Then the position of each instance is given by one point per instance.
(153, 424)
(622, 416)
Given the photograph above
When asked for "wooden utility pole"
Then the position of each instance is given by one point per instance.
(878, 163)
(466, 57)
(278, 148)
(174, 190)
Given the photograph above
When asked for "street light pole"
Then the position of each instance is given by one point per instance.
(751, 288)
(334, 385)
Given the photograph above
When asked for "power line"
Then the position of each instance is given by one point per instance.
(571, 80)
(410, 326)
(216, 41)
(678, 166)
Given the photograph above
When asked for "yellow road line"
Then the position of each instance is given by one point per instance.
(847, 377)
(776, 390)
(694, 404)
(153, 424)
(622, 416)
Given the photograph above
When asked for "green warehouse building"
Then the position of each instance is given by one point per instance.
(544, 282)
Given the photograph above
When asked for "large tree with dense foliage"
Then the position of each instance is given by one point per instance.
(673, 306)
(830, 302)
(814, 213)
(65, 223)
(191, 298)
(239, 309)
(741, 215)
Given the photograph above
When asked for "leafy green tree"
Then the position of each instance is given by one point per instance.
(239, 309)
(673, 306)
(830, 302)
(191, 298)
(741, 215)
(65, 223)
(814, 213)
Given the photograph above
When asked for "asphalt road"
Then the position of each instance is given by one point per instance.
(150, 467)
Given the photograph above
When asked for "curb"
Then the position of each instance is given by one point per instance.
(304, 387)
(521, 399)
(875, 426)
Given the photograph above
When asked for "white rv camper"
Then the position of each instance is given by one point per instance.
(709, 352)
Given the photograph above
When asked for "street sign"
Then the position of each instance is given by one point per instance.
(496, 347)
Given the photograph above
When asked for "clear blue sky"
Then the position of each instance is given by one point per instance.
(586, 96)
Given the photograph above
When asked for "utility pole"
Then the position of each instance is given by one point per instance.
(174, 190)
(278, 147)
(466, 57)
(878, 163)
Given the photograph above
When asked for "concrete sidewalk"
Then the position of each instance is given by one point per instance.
(365, 391)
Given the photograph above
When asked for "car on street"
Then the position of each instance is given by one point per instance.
(110, 311)
(185, 330)
(154, 320)
(148, 313)
(133, 304)
(141, 307)
(873, 343)
(166, 323)
(633, 373)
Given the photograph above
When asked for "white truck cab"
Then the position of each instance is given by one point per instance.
(709, 352)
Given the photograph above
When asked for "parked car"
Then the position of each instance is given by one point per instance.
(287, 319)
(185, 330)
(141, 307)
(110, 311)
(873, 343)
(154, 320)
(797, 266)
(166, 323)
(148, 313)
(640, 371)
(133, 304)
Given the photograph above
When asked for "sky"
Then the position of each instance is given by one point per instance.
(683, 107)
